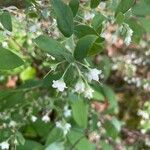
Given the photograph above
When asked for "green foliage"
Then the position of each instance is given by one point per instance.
(53, 47)
(83, 46)
(94, 3)
(64, 17)
(124, 6)
(80, 113)
(5, 19)
(59, 95)
(74, 5)
(9, 60)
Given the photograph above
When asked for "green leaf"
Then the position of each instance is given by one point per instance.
(20, 138)
(9, 60)
(105, 146)
(146, 24)
(53, 47)
(112, 127)
(124, 6)
(83, 46)
(110, 95)
(94, 3)
(55, 146)
(74, 5)
(83, 30)
(75, 136)
(54, 136)
(42, 128)
(30, 145)
(5, 20)
(137, 28)
(64, 17)
(142, 8)
(120, 18)
(10, 98)
(97, 95)
(80, 113)
(105, 66)
(97, 47)
(97, 21)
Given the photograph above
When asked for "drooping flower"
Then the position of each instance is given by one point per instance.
(46, 118)
(88, 93)
(64, 126)
(93, 74)
(4, 145)
(60, 85)
(79, 87)
(67, 112)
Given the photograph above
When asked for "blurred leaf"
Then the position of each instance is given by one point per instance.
(83, 46)
(120, 18)
(142, 8)
(97, 47)
(83, 30)
(54, 136)
(28, 74)
(55, 146)
(124, 6)
(30, 145)
(138, 30)
(64, 17)
(74, 5)
(9, 99)
(105, 146)
(53, 47)
(105, 66)
(110, 95)
(20, 138)
(97, 22)
(5, 20)
(94, 3)
(80, 113)
(9, 60)
(112, 127)
(145, 22)
(97, 95)
(77, 137)
(42, 128)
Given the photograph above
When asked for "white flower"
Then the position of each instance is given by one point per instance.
(5, 44)
(46, 118)
(79, 87)
(144, 114)
(4, 145)
(64, 126)
(88, 93)
(58, 124)
(67, 127)
(12, 123)
(102, 5)
(33, 118)
(67, 112)
(60, 85)
(94, 74)
(128, 35)
(127, 40)
(88, 16)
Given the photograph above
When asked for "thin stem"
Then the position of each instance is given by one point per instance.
(66, 70)
(83, 65)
